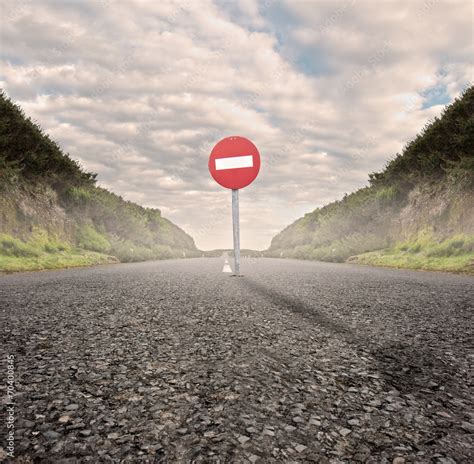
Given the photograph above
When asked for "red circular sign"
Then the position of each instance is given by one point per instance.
(234, 162)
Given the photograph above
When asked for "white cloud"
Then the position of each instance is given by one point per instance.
(140, 91)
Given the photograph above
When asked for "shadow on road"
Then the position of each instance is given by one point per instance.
(300, 307)
(405, 366)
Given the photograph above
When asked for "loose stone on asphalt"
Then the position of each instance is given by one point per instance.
(175, 361)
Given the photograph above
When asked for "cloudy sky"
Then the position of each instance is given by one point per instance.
(140, 91)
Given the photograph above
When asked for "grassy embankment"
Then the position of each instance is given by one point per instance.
(417, 213)
(455, 254)
(39, 254)
(53, 215)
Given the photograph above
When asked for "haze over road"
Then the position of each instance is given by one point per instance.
(175, 361)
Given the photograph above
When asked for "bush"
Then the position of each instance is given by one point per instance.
(9, 171)
(78, 195)
(127, 251)
(89, 239)
(40, 242)
(10, 246)
(424, 244)
(455, 246)
(387, 195)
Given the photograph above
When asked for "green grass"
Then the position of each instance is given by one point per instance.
(42, 251)
(336, 251)
(88, 238)
(40, 242)
(127, 251)
(464, 264)
(73, 258)
(455, 254)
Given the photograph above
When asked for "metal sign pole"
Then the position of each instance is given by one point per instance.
(236, 230)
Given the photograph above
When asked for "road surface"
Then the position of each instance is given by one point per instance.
(176, 361)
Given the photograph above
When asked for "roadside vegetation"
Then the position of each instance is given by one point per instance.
(52, 213)
(41, 252)
(454, 254)
(426, 191)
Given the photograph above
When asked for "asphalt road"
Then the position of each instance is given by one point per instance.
(175, 361)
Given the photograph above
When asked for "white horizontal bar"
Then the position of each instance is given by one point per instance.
(234, 162)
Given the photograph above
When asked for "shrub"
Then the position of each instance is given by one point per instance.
(78, 195)
(40, 242)
(9, 171)
(424, 244)
(455, 246)
(88, 238)
(127, 251)
(10, 246)
(387, 195)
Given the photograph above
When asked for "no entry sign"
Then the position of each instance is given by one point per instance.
(234, 162)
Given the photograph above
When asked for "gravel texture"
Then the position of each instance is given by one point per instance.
(175, 361)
